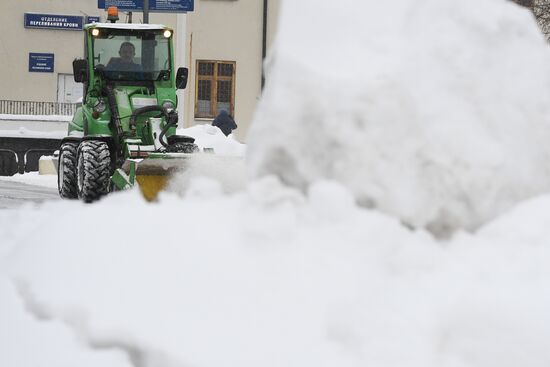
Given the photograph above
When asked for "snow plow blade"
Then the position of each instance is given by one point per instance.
(152, 174)
(150, 186)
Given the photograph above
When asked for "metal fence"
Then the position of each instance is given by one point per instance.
(36, 108)
(22, 154)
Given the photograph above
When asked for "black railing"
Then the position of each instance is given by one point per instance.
(37, 108)
(19, 155)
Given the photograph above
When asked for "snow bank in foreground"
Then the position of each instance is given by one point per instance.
(270, 277)
(434, 111)
(30, 341)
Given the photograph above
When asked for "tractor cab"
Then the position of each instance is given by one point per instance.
(131, 55)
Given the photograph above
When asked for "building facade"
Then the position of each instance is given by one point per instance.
(225, 47)
(221, 42)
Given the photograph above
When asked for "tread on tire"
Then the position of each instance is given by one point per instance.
(66, 172)
(94, 170)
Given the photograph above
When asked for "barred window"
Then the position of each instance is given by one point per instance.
(215, 88)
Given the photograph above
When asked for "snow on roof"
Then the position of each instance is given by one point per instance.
(127, 26)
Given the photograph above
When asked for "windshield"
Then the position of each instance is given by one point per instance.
(132, 55)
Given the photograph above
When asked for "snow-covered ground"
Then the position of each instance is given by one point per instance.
(206, 136)
(32, 178)
(289, 270)
(27, 133)
(35, 126)
(19, 117)
(269, 276)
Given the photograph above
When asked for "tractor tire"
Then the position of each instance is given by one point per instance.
(66, 171)
(94, 170)
(182, 148)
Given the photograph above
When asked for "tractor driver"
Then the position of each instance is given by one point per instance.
(125, 63)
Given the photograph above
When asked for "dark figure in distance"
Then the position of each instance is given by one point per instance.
(225, 122)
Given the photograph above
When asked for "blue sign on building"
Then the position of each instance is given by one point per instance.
(90, 19)
(53, 21)
(155, 6)
(41, 63)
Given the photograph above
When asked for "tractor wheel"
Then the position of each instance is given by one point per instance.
(94, 170)
(66, 171)
(182, 148)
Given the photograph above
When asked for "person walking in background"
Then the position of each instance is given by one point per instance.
(224, 122)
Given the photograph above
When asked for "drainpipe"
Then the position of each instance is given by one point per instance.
(264, 41)
(181, 58)
(146, 11)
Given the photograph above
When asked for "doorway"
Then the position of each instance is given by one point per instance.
(68, 91)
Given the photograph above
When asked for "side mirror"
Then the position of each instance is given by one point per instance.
(181, 78)
(80, 70)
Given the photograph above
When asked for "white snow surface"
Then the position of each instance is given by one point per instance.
(208, 136)
(30, 341)
(293, 280)
(29, 133)
(225, 163)
(434, 111)
(271, 274)
(32, 178)
(4, 116)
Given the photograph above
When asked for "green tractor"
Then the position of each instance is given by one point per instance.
(125, 130)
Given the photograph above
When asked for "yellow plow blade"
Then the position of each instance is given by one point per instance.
(153, 174)
(150, 186)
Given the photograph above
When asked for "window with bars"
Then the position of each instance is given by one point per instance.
(215, 88)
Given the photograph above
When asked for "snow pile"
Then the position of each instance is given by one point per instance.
(208, 136)
(277, 275)
(434, 111)
(225, 162)
(292, 280)
(28, 341)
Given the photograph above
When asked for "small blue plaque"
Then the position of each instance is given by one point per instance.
(41, 63)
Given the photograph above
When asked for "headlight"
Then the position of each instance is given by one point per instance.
(100, 106)
(168, 105)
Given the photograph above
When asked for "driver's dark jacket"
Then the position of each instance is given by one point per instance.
(115, 64)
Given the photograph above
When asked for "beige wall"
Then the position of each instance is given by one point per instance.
(16, 42)
(229, 31)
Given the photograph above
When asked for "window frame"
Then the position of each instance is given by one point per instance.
(136, 38)
(214, 87)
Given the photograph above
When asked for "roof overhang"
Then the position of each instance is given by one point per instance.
(126, 26)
